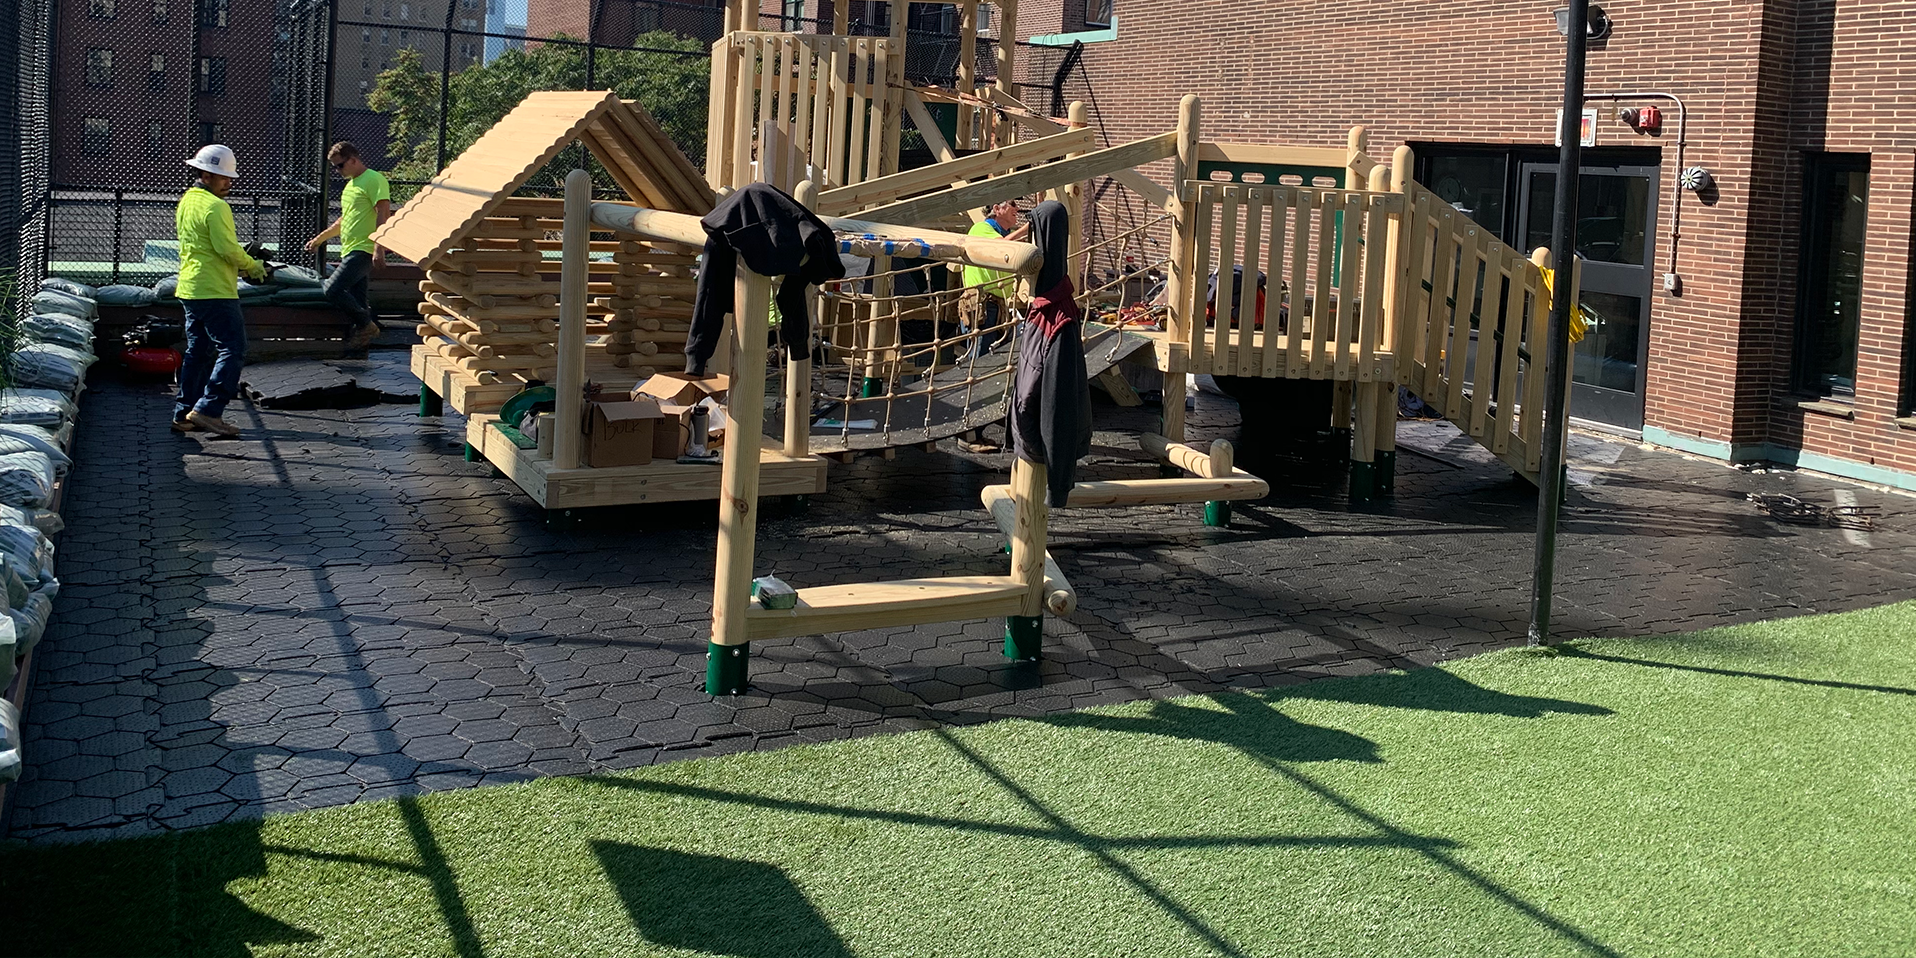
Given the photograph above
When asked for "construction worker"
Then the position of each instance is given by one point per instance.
(986, 290)
(364, 204)
(211, 261)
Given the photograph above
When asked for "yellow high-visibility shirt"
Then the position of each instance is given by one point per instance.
(995, 282)
(359, 211)
(211, 257)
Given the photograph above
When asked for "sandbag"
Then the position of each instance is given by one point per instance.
(67, 286)
(26, 480)
(47, 366)
(9, 741)
(9, 665)
(249, 290)
(30, 620)
(11, 443)
(296, 277)
(44, 520)
(57, 328)
(54, 301)
(37, 407)
(123, 295)
(26, 552)
(167, 287)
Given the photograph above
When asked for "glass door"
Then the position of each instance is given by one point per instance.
(1616, 233)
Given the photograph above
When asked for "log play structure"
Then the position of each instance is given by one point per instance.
(1282, 263)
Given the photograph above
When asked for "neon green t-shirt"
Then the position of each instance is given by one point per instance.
(358, 213)
(995, 282)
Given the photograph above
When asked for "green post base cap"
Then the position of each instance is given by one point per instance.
(726, 668)
(1363, 481)
(472, 453)
(1024, 637)
(430, 403)
(1387, 472)
(1217, 513)
(870, 388)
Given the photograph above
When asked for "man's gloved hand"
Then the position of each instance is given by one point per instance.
(256, 250)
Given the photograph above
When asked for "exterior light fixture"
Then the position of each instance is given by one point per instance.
(1597, 29)
(1694, 179)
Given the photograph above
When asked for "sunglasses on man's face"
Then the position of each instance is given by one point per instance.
(339, 167)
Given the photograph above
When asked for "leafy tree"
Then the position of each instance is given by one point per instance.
(671, 85)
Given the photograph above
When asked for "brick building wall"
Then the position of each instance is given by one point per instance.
(1762, 80)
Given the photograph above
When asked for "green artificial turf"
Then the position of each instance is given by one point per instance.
(1745, 791)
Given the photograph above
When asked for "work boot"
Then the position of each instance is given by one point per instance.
(212, 424)
(363, 335)
(181, 425)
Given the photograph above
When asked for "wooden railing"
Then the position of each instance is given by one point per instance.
(836, 98)
(1324, 259)
(1472, 328)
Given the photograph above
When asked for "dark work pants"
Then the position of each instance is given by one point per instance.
(215, 351)
(346, 288)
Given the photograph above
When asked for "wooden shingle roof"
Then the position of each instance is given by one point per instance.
(642, 159)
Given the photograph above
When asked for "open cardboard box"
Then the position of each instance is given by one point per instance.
(624, 433)
(682, 389)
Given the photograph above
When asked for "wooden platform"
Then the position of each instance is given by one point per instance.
(467, 395)
(658, 481)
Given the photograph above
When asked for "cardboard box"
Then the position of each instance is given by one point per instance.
(673, 433)
(621, 433)
(681, 389)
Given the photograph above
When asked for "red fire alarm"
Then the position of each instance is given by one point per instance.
(1648, 119)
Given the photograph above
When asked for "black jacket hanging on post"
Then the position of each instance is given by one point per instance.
(1051, 398)
(776, 237)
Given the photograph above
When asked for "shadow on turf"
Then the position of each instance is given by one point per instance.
(716, 905)
(1582, 653)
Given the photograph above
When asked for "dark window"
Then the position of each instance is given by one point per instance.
(1828, 301)
(211, 132)
(99, 67)
(1474, 183)
(154, 132)
(1097, 13)
(213, 13)
(213, 76)
(103, 9)
(156, 73)
(99, 135)
(159, 11)
(794, 15)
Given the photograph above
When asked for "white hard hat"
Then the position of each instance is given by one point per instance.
(214, 158)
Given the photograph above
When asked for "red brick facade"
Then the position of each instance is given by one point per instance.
(1763, 83)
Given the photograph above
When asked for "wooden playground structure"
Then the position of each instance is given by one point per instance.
(1282, 263)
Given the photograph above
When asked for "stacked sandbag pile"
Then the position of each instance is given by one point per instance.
(51, 349)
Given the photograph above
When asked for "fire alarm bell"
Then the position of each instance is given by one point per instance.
(1649, 120)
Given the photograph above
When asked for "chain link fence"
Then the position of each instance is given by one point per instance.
(112, 95)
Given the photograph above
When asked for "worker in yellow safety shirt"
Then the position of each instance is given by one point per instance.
(985, 304)
(364, 204)
(211, 261)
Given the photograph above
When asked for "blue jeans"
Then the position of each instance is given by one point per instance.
(215, 351)
(346, 288)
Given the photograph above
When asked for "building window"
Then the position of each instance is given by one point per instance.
(102, 9)
(385, 38)
(211, 131)
(99, 135)
(405, 38)
(213, 76)
(154, 133)
(405, 12)
(1097, 13)
(213, 13)
(156, 73)
(1828, 300)
(794, 15)
(159, 11)
(99, 67)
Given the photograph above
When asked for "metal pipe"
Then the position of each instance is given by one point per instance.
(1563, 242)
(325, 140)
(1682, 140)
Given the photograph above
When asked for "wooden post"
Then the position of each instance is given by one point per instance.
(798, 372)
(967, 68)
(738, 487)
(1024, 633)
(1007, 43)
(1074, 204)
(574, 274)
(893, 123)
(1183, 169)
(1355, 145)
(1397, 325)
(842, 17)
